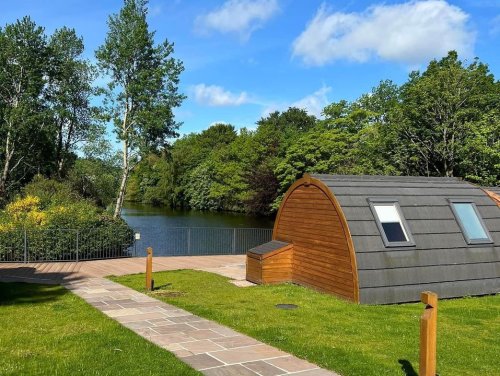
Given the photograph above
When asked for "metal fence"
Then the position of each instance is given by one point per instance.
(192, 241)
(19, 245)
(102, 243)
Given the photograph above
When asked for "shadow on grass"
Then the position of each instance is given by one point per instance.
(30, 274)
(15, 293)
(162, 286)
(407, 368)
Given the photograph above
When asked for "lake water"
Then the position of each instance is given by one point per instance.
(181, 232)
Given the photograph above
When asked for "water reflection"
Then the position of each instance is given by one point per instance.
(164, 229)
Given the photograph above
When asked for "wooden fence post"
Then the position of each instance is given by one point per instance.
(428, 334)
(149, 269)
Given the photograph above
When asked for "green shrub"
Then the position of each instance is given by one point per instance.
(53, 222)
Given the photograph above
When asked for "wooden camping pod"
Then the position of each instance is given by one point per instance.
(326, 236)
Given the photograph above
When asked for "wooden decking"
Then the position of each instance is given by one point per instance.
(59, 272)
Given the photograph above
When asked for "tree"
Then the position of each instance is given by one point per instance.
(70, 92)
(318, 151)
(191, 151)
(24, 126)
(143, 89)
(436, 110)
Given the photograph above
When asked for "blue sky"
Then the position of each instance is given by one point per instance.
(246, 58)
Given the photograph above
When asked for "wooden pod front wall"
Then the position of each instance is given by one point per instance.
(311, 244)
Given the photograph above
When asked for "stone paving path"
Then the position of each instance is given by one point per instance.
(213, 349)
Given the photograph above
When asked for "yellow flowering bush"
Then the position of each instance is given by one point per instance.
(52, 222)
(25, 212)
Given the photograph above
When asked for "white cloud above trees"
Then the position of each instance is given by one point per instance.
(315, 102)
(312, 103)
(241, 17)
(409, 33)
(217, 96)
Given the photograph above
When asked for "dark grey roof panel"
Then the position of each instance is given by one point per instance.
(396, 184)
(427, 274)
(268, 247)
(419, 201)
(492, 224)
(373, 243)
(493, 189)
(428, 257)
(459, 190)
(419, 226)
(360, 213)
(411, 293)
(423, 179)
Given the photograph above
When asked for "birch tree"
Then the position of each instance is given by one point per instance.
(69, 94)
(23, 57)
(143, 87)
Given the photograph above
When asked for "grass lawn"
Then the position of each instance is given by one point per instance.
(348, 338)
(46, 330)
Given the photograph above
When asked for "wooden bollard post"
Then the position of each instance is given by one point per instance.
(428, 334)
(149, 269)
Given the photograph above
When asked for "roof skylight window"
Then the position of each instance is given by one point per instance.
(391, 223)
(470, 222)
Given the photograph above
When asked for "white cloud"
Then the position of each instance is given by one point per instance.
(315, 102)
(154, 10)
(312, 103)
(411, 32)
(241, 17)
(218, 122)
(213, 95)
(495, 25)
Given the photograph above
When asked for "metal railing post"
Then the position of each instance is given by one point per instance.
(77, 244)
(234, 241)
(25, 247)
(189, 241)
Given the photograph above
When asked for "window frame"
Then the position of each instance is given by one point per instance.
(390, 201)
(471, 202)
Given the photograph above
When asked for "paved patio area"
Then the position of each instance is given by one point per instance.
(213, 349)
(232, 266)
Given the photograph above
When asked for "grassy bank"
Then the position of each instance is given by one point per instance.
(350, 339)
(46, 330)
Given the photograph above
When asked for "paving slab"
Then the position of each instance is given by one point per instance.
(264, 369)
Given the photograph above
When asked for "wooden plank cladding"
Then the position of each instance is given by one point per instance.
(270, 263)
(322, 256)
(326, 237)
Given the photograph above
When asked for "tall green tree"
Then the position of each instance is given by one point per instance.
(437, 108)
(70, 91)
(24, 127)
(143, 87)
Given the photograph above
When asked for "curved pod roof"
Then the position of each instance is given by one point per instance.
(342, 229)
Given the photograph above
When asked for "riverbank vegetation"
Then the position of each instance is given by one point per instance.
(444, 121)
(47, 330)
(347, 338)
(55, 222)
